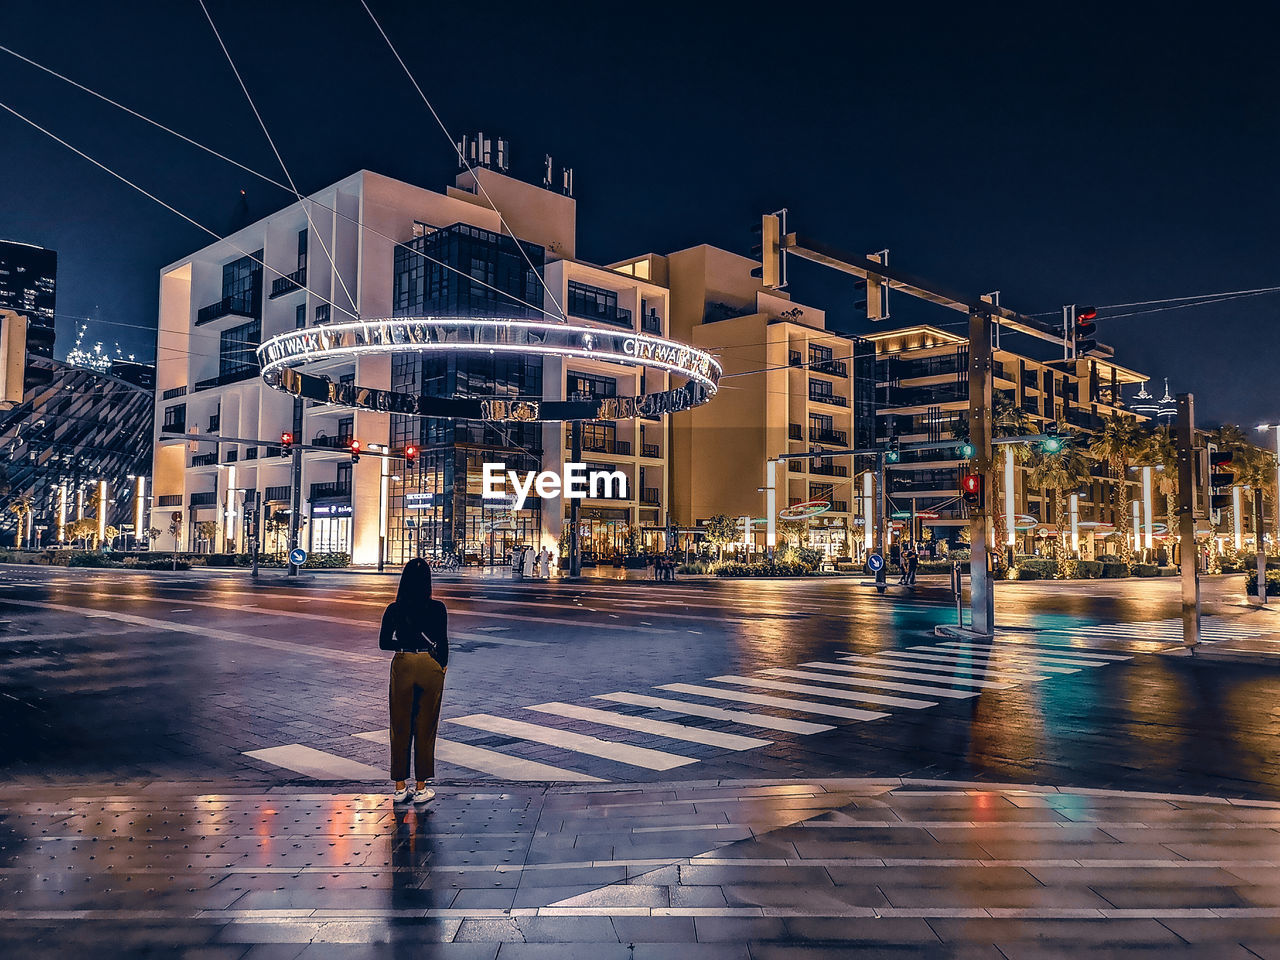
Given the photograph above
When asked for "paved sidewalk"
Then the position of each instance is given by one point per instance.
(762, 870)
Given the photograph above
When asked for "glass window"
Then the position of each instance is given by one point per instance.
(242, 284)
(237, 348)
(595, 303)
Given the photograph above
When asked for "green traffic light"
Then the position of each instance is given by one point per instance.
(966, 451)
(891, 456)
(1051, 445)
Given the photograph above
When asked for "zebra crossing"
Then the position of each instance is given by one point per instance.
(816, 696)
(1212, 630)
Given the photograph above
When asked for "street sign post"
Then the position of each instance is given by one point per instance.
(297, 556)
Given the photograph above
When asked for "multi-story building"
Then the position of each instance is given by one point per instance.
(393, 249)
(77, 434)
(922, 396)
(28, 285)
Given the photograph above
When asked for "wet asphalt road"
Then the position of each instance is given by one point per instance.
(122, 676)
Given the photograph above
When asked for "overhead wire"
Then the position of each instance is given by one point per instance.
(293, 188)
(267, 179)
(462, 157)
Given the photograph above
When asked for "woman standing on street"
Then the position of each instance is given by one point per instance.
(416, 627)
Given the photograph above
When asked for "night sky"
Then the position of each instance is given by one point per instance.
(1079, 154)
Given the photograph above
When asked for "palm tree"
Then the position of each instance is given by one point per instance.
(1060, 472)
(1161, 451)
(1118, 443)
(1256, 468)
(20, 507)
(1229, 438)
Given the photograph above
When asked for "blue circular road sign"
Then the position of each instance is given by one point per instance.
(875, 562)
(297, 556)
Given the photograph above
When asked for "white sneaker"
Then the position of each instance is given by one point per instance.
(404, 795)
(424, 796)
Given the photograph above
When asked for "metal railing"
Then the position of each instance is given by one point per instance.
(277, 494)
(226, 307)
(248, 373)
(833, 470)
(650, 450)
(829, 436)
(204, 460)
(322, 491)
(335, 443)
(287, 284)
(174, 392)
(835, 368)
(649, 495)
(651, 323)
(207, 499)
(832, 398)
(169, 500)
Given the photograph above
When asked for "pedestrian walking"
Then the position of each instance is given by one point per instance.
(528, 563)
(416, 627)
(913, 561)
(544, 563)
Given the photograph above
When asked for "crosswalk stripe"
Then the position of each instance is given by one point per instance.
(800, 706)
(1040, 666)
(877, 684)
(881, 669)
(1003, 645)
(958, 661)
(882, 699)
(661, 728)
(311, 762)
(495, 764)
(576, 742)
(833, 693)
(1036, 656)
(763, 721)
(925, 661)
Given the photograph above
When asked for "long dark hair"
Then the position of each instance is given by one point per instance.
(415, 585)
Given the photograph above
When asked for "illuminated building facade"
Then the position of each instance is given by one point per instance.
(28, 285)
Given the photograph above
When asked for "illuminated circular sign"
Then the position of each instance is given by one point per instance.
(284, 357)
(1024, 521)
(803, 511)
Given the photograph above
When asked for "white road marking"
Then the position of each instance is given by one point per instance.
(1042, 648)
(800, 706)
(1038, 666)
(960, 661)
(1030, 656)
(577, 742)
(661, 728)
(491, 762)
(760, 720)
(881, 669)
(875, 684)
(882, 699)
(316, 763)
(824, 691)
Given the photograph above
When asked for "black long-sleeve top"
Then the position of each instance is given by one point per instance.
(424, 631)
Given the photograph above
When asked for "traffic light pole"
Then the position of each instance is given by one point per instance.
(981, 597)
(882, 526)
(1186, 432)
(1262, 552)
(295, 498)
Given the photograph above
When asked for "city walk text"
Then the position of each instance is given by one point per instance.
(576, 482)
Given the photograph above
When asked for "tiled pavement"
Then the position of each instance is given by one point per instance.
(714, 869)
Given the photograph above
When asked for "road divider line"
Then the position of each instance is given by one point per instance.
(763, 721)
(786, 703)
(661, 728)
(498, 765)
(575, 742)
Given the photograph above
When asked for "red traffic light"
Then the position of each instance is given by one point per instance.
(410, 453)
(354, 447)
(972, 483)
(1220, 458)
(1086, 313)
(286, 438)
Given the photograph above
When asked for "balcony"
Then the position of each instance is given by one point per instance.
(174, 392)
(650, 450)
(795, 358)
(206, 499)
(832, 398)
(215, 423)
(280, 494)
(598, 445)
(174, 425)
(830, 470)
(829, 436)
(649, 495)
(651, 323)
(204, 460)
(251, 453)
(340, 442)
(331, 491)
(795, 431)
(169, 500)
(839, 506)
(247, 373)
(227, 307)
(835, 368)
(287, 284)
(232, 456)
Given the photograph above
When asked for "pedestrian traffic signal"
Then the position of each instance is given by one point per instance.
(971, 489)
(355, 451)
(768, 251)
(894, 453)
(967, 450)
(1221, 478)
(1084, 331)
(410, 455)
(286, 444)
